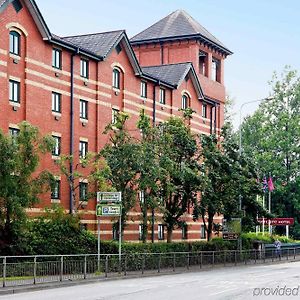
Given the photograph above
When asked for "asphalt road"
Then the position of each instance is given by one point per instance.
(279, 281)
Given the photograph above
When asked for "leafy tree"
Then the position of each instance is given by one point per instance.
(226, 177)
(271, 137)
(180, 178)
(149, 172)
(20, 182)
(122, 157)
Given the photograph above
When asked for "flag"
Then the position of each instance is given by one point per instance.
(270, 184)
(265, 184)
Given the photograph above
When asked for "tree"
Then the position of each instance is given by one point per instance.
(226, 177)
(20, 182)
(271, 137)
(148, 179)
(180, 178)
(122, 158)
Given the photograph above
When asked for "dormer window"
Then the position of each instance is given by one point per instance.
(116, 78)
(14, 43)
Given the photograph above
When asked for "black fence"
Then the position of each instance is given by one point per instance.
(28, 270)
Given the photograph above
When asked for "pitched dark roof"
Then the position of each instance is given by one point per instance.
(171, 74)
(98, 43)
(175, 25)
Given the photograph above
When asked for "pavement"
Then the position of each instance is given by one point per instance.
(278, 281)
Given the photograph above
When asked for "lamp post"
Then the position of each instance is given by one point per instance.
(240, 144)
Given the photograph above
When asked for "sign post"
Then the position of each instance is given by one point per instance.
(109, 205)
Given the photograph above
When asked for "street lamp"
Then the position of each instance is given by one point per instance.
(240, 142)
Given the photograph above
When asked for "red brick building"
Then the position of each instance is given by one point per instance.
(71, 87)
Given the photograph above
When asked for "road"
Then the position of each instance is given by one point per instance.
(232, 283)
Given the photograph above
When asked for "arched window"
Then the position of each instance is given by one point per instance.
(184, 102)
(116, 78)
(14, 42)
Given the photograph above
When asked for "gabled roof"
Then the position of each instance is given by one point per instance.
(101, 44)
(177, 25)
(174, 74)
(36, 15)
(98, 43)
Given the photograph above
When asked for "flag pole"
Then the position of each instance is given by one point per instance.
(270, 227)
(263, 224)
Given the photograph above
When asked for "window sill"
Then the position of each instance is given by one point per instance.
(17, 104)
(54, 157)
(15, 56)
(85, 121)
(55, 201)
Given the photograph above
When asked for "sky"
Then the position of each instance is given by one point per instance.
(263, 34)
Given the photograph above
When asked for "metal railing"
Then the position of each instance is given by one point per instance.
(32, 270)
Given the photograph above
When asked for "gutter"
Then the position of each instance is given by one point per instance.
(72, 129)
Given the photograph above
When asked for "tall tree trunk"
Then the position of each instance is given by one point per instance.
(145, 221)
(169, 234)
(210, 225)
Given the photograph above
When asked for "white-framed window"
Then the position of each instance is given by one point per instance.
(161, 232)
(215, 69)
(83, 191)
(56, 102)
(114, 115)
(116, 78)
(56, 58)
(202, 232)
(162, 96)
(55, 190)
(184, 232)
(83, 110)
(57, 145)
(143, 89)
(141, 231)
(14, 43)
(83, 149)
(204, 110)
(142, 196)
(184, 102)
(13, 132)
(202, 63)
(84, 68)
(14, 91)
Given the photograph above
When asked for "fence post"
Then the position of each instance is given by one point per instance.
(106, 265)
(235, 257)
(143, 263)
(294, 253)
(4, 271)
(201, 259)
(224, 258)
(174, 262)
(188, 261)
(272, 255)
(159, 262)
(213, 258)
(61, 268)
(288, 251)
(125, 265)
(255, 256)
(34, 270)
(85, 267)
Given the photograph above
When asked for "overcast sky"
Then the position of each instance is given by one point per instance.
(263, 34)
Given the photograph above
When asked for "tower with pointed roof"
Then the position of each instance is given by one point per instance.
(179, 38)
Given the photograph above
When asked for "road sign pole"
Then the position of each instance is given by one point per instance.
(287, 231)
(98, 225)
(120, 237)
